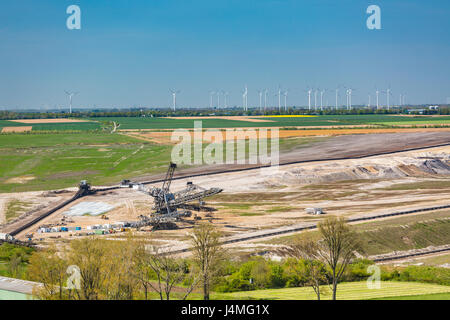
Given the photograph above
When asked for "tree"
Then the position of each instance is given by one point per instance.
(314, 270)
(168, 271)
(207, 254)
(120, 283)
(90, 256)
(48, 268)
(337, 247)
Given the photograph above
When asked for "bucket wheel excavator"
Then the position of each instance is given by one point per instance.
(170, 207)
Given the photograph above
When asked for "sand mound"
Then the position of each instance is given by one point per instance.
(398, 168)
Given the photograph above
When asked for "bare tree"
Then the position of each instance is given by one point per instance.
(315, 271)
(168, 271)
(337, 247)
(207, 254)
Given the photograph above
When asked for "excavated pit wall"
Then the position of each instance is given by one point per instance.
(400, 167)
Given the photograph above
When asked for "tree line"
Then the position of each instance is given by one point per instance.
(98, 269)
(13, 115)
(95, 268)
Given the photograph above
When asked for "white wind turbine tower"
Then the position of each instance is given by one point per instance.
(321, 98)
(349, 98)
(279, 98)
(377, 92)
(309, 99)
(285, 94)
(315, 99)
(265, 99)
(337, 94)
(218, 99)
(368, 105)
(211, 96)
(260, 99)
(174, 98)
(402, 99)
(225, 98)
(71, 95)
(388, 95)
(244, 99)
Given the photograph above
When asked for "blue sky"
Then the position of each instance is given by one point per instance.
(130, 53)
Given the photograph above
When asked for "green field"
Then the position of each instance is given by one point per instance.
(343, 120)
(70, 126)
(346, 291)
(133, 123)
(432, 296)
(52, 161)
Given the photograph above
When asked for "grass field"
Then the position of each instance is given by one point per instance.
(166, 123)
(433, 296)
(346, 291)
(51, 161)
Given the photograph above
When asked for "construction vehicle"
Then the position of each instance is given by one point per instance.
(172, 206)
(84, 188)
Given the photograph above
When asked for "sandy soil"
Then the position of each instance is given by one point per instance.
(2, 211)
(274, 198)
(35, 121)
(20, 180)
(164, 137)
(16, 129)
(40, 201)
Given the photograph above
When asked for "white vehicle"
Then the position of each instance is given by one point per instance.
(6, 237)
(315, 211)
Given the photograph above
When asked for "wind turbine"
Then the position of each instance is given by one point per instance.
(315, 99)
(70, 94)
(226, 93)
(211, 95)
(285, 94)
(279, 98)
(349, 98)
(309, 98)
(174, 98)
(260, 99)
(244, 98)
(218, 99)
(321, 98)
(337, 94)
(368, 105)
(265, 98)
(402, 99)
(388, 95)
(377, 92)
